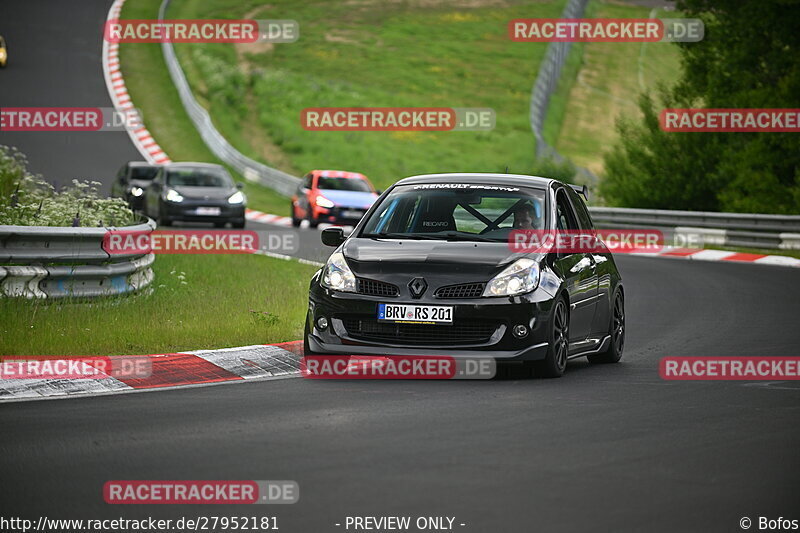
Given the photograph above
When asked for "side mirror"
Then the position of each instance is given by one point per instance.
(239, 185)
(332, 236)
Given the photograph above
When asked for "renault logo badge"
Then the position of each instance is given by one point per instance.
(417, 287)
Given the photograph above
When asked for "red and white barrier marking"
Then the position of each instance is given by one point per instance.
(277, 220)
(203, 367)
(115, 84)
(723, 255)
(266, 218)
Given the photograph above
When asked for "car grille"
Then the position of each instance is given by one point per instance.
(376, 288)
(465, 290)
(416, 334)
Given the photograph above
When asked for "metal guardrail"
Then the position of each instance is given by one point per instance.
(548, 76)
(732, 229)
(252, 170)
(38, 262)
(545, 85)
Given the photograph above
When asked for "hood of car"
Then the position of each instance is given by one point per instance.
(359, 199)
(205, 193)
(464, 261)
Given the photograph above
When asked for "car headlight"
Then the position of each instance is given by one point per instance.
(324, 202)
(337, 275)
(517, 278)
(174, 196)
(137, 191)
(236, 198)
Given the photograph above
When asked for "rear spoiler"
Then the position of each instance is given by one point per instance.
(581, 189)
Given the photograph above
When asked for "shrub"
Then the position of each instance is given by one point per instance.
(27, 200)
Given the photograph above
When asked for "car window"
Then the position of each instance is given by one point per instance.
(307, 181)
(584, 219)
(143, 173)
(343, 184)
(527, 215)
(566, 219)
(398, 215)
(197, 177)
(468, 211)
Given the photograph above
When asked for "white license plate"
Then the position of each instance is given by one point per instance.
(212, 211)
(417, 314)
(349, 213)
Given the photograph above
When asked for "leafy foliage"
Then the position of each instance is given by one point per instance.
(27, 200)
(748, 59)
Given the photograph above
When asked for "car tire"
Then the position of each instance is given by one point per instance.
(220, 224)
(616, 329)
(239, 224)
(312, 222)
(295, 221)
(555, 362)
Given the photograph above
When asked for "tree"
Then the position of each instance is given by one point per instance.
(750, 58)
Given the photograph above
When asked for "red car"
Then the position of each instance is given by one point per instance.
(332, 196)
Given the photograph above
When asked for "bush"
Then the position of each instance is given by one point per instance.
(547, 167)
(27, 200)
(741, 63)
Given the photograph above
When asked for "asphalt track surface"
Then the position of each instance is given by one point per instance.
(605, 448)
(54, 61)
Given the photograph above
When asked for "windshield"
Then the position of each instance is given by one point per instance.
(343, 184)
(143, 173)
(199, 177)
(475, 212)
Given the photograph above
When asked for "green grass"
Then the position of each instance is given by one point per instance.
(601, 82)
(390, 54)
(197, 302)
(371, 54)
(152, 91)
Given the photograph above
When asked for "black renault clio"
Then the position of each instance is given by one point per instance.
(429, 271)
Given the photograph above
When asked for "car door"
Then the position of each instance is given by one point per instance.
(603, 270)
(579, 271)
